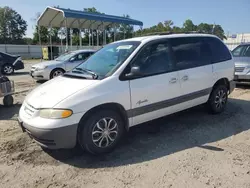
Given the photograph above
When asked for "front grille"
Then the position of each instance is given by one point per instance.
(239, 69)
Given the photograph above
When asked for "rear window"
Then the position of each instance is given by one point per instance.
(219, 50)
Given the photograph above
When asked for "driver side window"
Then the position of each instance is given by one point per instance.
(154, 59)
(80, 57)
(238, 51)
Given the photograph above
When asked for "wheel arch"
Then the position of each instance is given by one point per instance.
(222, 81)
(110, 106)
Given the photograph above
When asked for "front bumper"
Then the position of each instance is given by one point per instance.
(39, 75)
(242, 77)
(57, 138)
(18, 65)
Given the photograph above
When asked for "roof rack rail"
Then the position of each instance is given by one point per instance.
(170, 33)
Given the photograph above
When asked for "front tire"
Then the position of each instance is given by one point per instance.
(56, 72)
(7, 69)
(101, 132)
(218, 99)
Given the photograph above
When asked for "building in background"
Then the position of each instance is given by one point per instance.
(234, 40)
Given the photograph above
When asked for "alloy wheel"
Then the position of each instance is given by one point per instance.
(8, 69)
(104, 132)
(220, 99)
(57, 73)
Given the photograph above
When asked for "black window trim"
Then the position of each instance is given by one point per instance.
(122, 76)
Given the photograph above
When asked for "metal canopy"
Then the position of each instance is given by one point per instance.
(56, 17)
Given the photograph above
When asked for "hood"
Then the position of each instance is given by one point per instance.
(54, 91)
(242, 61)
(47, 63)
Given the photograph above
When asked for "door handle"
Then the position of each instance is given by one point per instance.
(184, 78)
(173, 80)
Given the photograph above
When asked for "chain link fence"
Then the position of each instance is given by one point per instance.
(35, 51)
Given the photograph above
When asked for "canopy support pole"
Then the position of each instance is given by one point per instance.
(97, 37)
(66, 35)
(61, 42)
(92, 37)
(50, 41)
(40, 42)
(89, 37)
(80, 34)
(97, 31)
(114, 31)
(70, 30)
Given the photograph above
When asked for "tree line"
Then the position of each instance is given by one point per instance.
(13, 28)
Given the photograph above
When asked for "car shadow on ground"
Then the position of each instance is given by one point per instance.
(243, 85)
(20, 73)
(7, 113)
(165, 136)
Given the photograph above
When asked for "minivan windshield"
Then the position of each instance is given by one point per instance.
(65, 56)
(108, 59)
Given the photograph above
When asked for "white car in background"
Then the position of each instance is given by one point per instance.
(65, 62)
(127, 83)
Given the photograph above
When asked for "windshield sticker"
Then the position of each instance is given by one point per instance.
(125, 47)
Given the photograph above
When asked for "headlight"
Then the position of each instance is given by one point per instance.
(41, 68)
(55, 113)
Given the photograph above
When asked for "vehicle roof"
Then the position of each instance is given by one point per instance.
(84, 50)
(7, 54)
(154, 37)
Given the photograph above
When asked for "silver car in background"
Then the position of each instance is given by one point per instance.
(49, 69)
(242, 62)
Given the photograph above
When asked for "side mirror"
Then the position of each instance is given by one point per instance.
(135, 72)
(72, 59)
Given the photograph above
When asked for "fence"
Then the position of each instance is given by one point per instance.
(35, 51)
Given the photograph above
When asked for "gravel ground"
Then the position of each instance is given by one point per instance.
(188, 149)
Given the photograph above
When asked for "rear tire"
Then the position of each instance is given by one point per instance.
(218, 99)
(101, 132)
(56, 72)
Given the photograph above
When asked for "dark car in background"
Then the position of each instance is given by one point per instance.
(9, 63)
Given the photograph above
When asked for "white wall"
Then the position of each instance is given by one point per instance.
(34, 51)
(234, 40)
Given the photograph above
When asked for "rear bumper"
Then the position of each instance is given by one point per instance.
(18, 65)
(57, 138)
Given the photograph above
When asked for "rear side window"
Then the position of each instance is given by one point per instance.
(191, 52)
(219, 50)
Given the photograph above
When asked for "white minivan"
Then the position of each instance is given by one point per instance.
(127, 83)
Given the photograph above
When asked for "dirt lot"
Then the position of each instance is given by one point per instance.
(189, 149)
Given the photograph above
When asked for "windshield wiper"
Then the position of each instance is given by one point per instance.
(80, 70)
